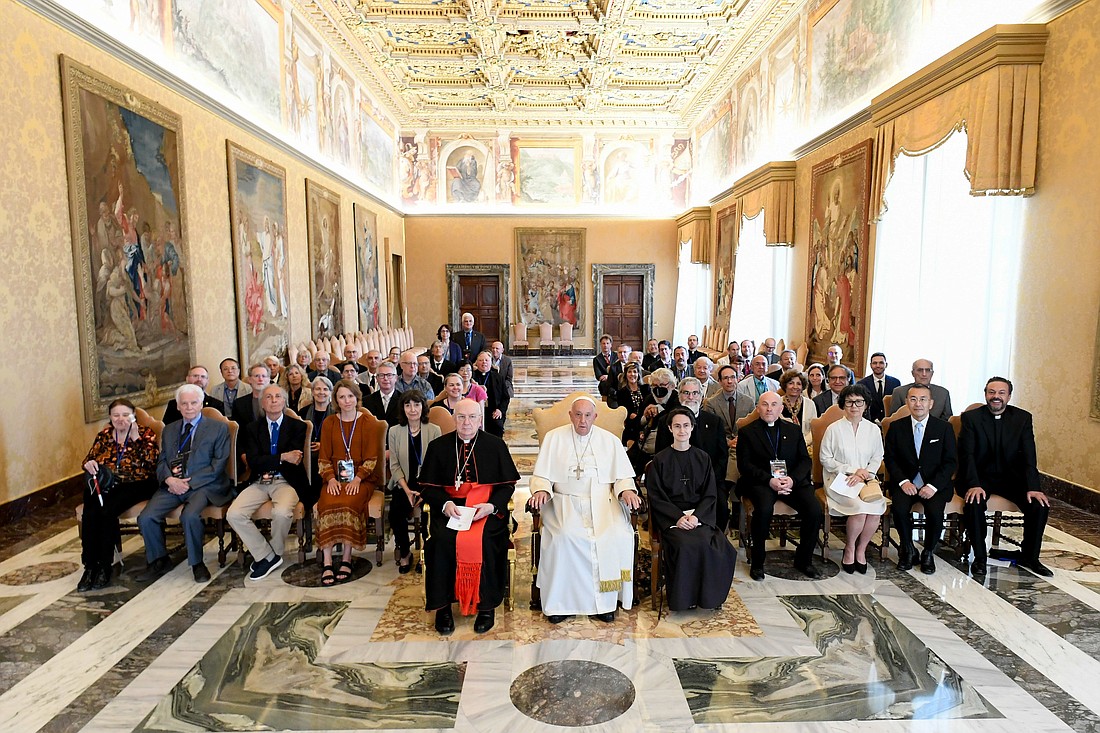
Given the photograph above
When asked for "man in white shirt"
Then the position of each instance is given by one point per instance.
(756, 384)
(383, 404)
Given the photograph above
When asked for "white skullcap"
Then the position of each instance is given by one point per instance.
(583, 397)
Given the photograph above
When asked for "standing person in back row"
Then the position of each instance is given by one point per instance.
(470, 341)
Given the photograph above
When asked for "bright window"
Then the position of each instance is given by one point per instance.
(692, 297)
(761, 286)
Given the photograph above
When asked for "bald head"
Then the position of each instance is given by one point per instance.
(769, 407)
(467, 416)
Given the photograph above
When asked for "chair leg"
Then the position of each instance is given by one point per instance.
(222, 553)
(826, 529)
(512, 577)
(302, 541)
(654, 572)
(996, 541)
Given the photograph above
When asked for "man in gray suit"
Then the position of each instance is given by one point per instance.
(756, 383)
(922, 375)
(730, 404)
(191, 471)
(503, 364)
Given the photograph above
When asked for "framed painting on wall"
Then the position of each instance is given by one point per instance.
(366, 267)
(261, 273)
(551, 289)
(726, 220)
(547, 172)
(836, 311)
(323, 229)
(130, 253)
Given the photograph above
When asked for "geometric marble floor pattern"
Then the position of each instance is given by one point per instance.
(886, 651)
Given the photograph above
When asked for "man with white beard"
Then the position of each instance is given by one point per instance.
(583, 484)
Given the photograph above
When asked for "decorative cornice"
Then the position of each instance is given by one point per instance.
(698, 213)
(838, 130)
(999, 46)
(776, 171)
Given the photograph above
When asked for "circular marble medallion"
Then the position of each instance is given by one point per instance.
(780, 564)
(43, 572)
(309, 574)
(572, 693)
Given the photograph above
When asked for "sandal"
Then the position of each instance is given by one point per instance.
(343, 571)
(328, 578)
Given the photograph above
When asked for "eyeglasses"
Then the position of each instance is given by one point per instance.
(690, 392)
(839, 378)
(856, 403)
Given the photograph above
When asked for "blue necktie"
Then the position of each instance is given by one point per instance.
(274, 438)
(918, 438)
(467, 340)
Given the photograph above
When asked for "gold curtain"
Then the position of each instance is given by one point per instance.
(768, 189)
(988, 87)
(694, 226)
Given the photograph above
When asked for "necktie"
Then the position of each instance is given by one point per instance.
(918, 438)
(274, 438)
(879, 382)
(467, 340)
(187, 427)
(733, 411)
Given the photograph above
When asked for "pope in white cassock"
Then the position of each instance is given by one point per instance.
(583, 484)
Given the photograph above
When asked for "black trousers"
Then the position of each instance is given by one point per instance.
(400, 511)
(803, 501)
(902, 508)
(99, 524)
(1035, 521)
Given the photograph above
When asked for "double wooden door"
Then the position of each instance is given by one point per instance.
(623, 313)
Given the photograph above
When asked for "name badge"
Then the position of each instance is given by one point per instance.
(345, 471)
(178, 466)
(779, 469)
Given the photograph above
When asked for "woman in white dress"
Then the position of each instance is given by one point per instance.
(853, 446)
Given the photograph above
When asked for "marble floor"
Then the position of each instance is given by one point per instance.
(885, 651)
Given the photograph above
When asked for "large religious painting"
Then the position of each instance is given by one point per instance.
(627, 175)
(855, 47)
(839, 200)
(547, 172)
(130, 254)
(550, 263)
(365, 223)
(715, 138)
(323, 233)
(466, 166)
(727, 219)
(237, 45)
(257, 210)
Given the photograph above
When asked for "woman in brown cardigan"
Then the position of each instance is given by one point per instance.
(351, 469)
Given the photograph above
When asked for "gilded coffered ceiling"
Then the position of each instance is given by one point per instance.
(568, 63)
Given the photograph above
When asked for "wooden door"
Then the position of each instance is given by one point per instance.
(480, 295)
(622, 309)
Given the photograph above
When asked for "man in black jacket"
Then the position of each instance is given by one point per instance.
(384, 403)
(496, 407)
(274, 450)
(923, 476)
(195, 375)
(248, 408)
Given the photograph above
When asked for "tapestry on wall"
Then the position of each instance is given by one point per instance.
(130, 255)
(837, 302)
(365, 222)
(549, 264)
(723, 275)
(261, 272)
(323, 229)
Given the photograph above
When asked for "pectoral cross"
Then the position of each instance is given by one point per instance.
(686, 480)
(578, 471)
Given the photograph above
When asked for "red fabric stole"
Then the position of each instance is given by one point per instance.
(468, 549)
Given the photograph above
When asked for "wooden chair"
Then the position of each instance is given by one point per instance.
(439, 415)
(887, 403)
(546, 339)
(546, 419)
(565, 332)
(519, 339)
(995, 504)
(784, 515)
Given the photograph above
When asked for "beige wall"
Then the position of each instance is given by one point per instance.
(1059, 294)
(43, 436)
(432, 242)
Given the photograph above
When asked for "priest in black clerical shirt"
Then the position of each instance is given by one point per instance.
(683, 498)
(496, 406)
(467, 469)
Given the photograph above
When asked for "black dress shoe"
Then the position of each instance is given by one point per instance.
(756, 573)
(1037, 567)
(484, 621)
(156, 569)
(861, 568)
(850, 567)
(557, 619)
(978, 569)
(811, 572)
(906, 555)
(102, 577)
(607, 618)
(200, 572)
(85, 583)
(927, 562)
(444, 621)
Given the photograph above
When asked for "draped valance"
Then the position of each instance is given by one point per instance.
(694, 226)
(769, 190)
(988, 87)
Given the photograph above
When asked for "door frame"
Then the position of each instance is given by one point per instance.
(648, 273)
(503, 274)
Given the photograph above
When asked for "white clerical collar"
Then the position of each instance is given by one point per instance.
(771, 425)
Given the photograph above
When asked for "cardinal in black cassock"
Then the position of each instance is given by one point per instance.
(471, 566)
(698, 562)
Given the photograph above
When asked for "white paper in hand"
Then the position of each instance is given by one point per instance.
(464, 520)
(840, 486)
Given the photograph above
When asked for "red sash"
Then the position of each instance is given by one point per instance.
(468, 549)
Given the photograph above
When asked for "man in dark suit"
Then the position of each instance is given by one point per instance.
(878, 384)
(693, 352)
(680, 368)
(601, 366)
(248, 408)
(615, 373)
(470, 341)
(496, 407)
(384, 403)
(759, 444)
(191, 471)
(923, 477)
(997, 456)
(424, 371)
(767, 350)
(199, 376)
(708, 436)
(502, 363)
(321, 367)
(653, 359)
(440, 364)
(273, 448)
(836, 379)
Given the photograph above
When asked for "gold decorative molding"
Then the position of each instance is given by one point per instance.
(694, 225)
(776, 171)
